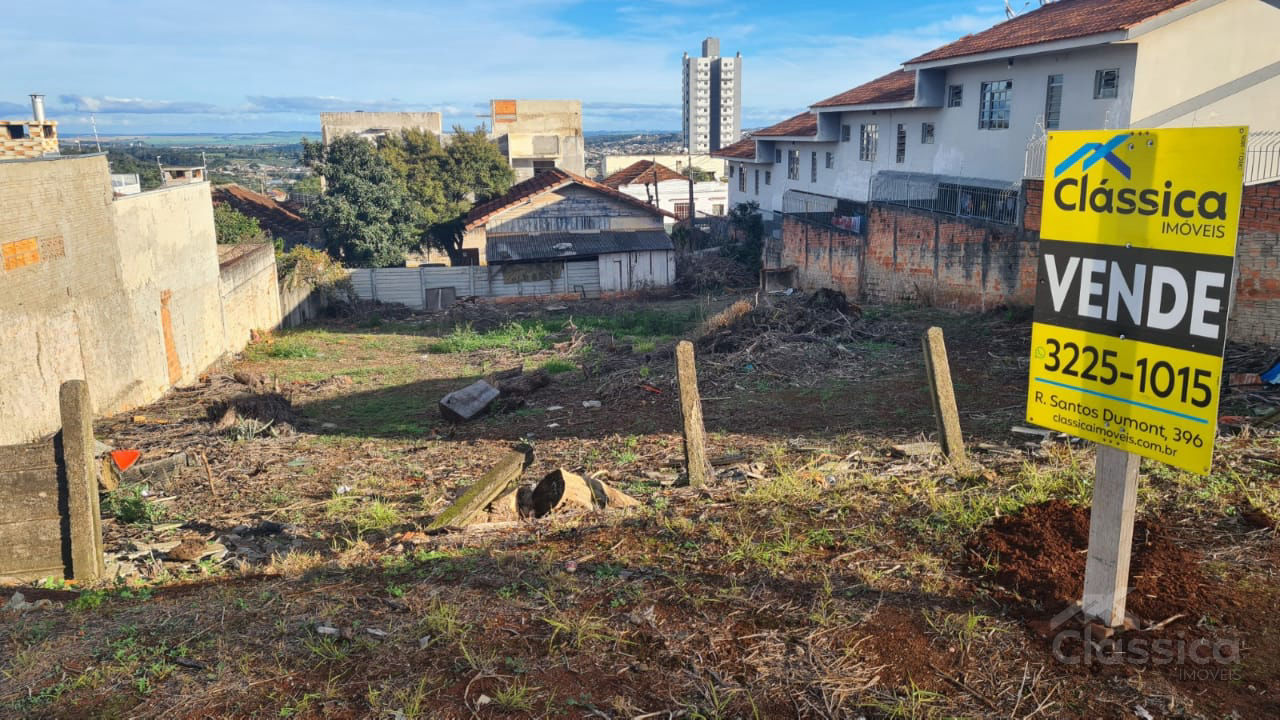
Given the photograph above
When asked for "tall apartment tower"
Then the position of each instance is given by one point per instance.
(712, 99)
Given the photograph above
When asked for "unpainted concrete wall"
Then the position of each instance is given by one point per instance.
(250, 295)
(336, 124)
(93, 284)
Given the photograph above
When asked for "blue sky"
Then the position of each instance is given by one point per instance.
(235, 66)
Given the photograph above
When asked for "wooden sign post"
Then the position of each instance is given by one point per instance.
(695, 435)
(1111, 361)
(1106, 571)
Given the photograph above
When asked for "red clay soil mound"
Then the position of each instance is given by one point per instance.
(1040, 554)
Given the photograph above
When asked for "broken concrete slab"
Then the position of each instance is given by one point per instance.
(469, 402)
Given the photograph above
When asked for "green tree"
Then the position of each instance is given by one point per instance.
(367, 213)
(446, 180)
(419, 157)
(233, 226)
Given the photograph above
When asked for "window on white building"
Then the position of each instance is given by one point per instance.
(813, 167)
(993, 105)
(831, 160)
(777, 157)
(1106, 84)
(955, 95)
(926, 133)
(868, 138)
(901, 154)
(757, 182)
(846, 133)
(768, 177)
(1053, 102)
(742, 181)
(793, 164)
(717, 209)
(682, 210)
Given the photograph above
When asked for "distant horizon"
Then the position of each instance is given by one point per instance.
(290, 135)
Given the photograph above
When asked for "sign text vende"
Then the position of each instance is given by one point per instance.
(1134, 288)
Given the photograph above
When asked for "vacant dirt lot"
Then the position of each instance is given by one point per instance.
(271, 561)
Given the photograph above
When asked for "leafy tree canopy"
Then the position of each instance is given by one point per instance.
(446, 180)
(368, 215)
(233, 226)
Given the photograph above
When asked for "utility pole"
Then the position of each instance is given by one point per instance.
(690, 171)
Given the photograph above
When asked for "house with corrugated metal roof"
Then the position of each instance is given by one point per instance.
(557, 217)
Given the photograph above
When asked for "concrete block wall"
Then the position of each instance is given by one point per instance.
(122, 293)
(39, 139)
(250, 294)
(1255, 315)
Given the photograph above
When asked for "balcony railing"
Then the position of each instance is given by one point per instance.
(1261, 157)
(979, 198)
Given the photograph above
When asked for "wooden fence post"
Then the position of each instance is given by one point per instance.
(695, 441)
(84, 521)
(943, 396)
(1106, 569)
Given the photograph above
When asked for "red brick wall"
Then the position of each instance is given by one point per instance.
(822, 256)
(1033, 199)
(915, 256)
(1255, 316)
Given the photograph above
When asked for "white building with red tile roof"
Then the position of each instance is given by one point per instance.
(975, 111)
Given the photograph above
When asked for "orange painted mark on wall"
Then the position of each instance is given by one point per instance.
(20, 253)
(504, 111)
(170, 347)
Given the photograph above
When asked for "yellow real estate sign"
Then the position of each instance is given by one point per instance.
(1138, 242)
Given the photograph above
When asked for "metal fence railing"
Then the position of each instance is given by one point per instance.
(834, 212)
(1262, 157)
(1033, 165)
(978, 198)
(1261, 164)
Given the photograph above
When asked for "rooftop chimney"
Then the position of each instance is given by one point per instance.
(37, 107)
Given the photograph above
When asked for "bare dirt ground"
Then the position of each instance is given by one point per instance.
(271, 561)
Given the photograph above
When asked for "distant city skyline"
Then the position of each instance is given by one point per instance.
(146, 66)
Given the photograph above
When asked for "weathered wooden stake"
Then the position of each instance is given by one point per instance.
(1106, 571)
(84, 521)
(944, 396)
(695, 435)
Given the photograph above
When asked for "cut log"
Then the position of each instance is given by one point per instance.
(609, 497)
(500, 480)
(524, 384)
(469, 402)
(563, 490)
(514, 505)
(507, 374)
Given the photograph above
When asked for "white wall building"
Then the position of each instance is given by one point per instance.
(668, 190)
(971, 109)
(712, 98)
